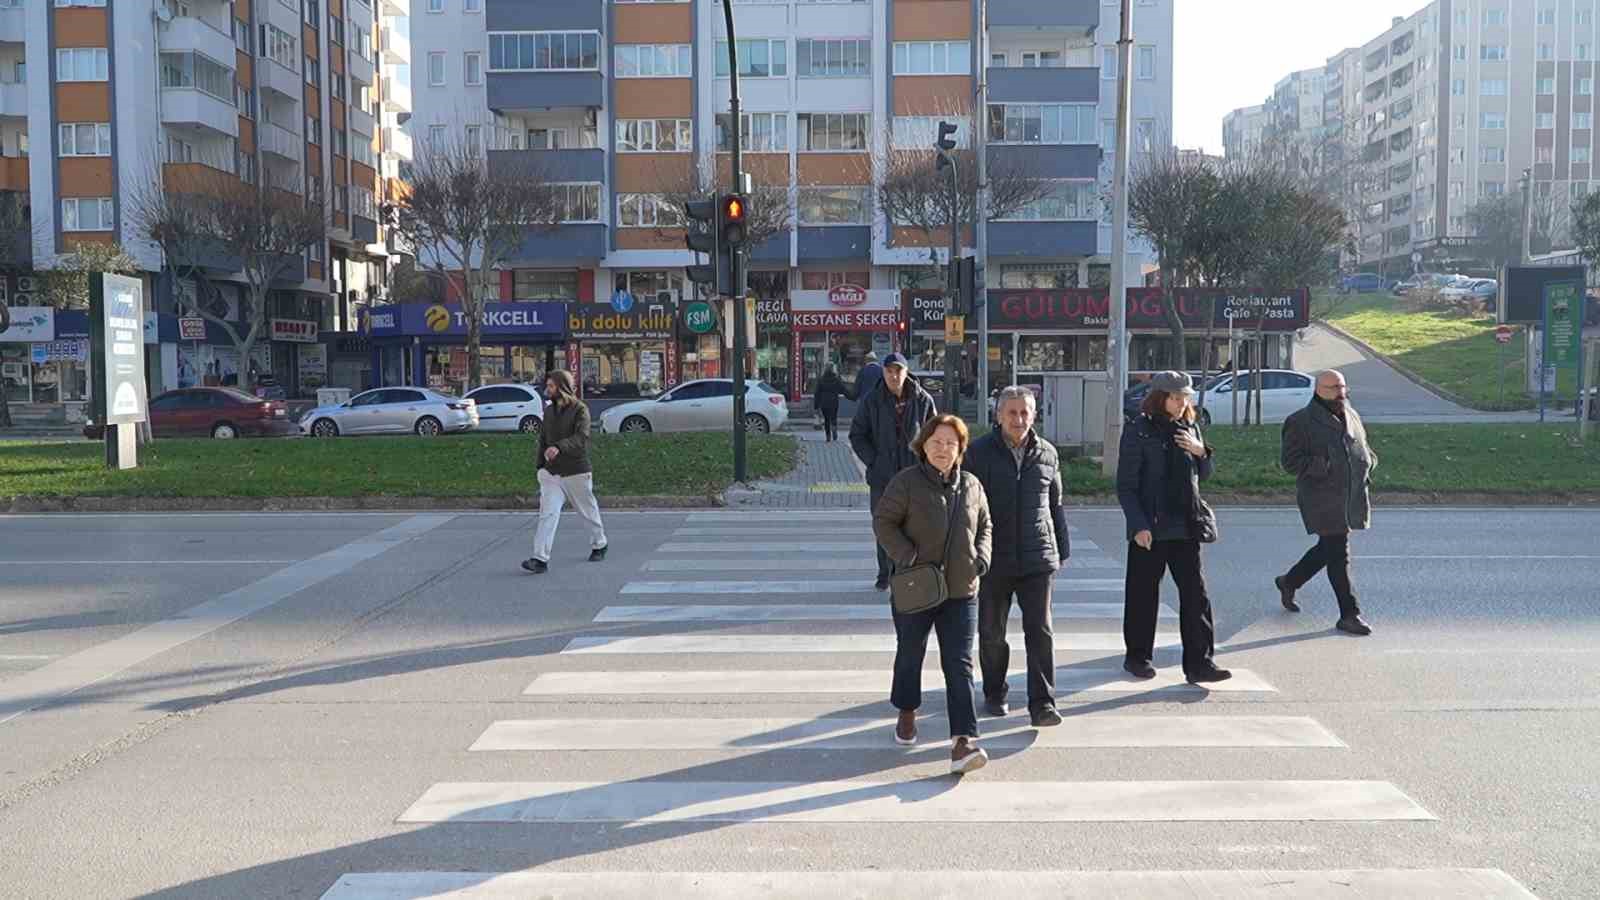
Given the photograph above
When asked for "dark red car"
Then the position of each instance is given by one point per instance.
(213, 412)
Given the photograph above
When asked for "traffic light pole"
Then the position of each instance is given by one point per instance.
(740, 339)
(952, 307)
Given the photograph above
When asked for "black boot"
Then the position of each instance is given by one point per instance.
(1286, 594)
(597, 555)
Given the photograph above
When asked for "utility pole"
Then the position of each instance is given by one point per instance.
(952, 390)
(980, 225)
(1117, 349)
(1527, 218)
(740, 339)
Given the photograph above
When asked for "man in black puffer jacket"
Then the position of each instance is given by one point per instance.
(887, 420)
(1021, 475)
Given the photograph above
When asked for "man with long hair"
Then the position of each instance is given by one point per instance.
(564, 471)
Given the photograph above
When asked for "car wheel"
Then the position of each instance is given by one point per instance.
(530, 425)
(428, 426)
(756, 423)
(1205, 418)
(635, 425)
(224, 431)
(324, 428)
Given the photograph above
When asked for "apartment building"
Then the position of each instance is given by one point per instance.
(626, 102)
(1243, 130)
(98, 100)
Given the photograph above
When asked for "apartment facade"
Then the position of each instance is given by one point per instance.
(100, 99)
(626, 103)
(1243, 130)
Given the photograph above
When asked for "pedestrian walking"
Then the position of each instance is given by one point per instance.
(564, 471)
(1325, 448)
(1021, 477)
(830, 387)
(886, 421)
(934, 522)
(1161, 462)
(870, 376)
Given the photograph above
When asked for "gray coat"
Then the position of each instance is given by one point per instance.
(1332, 464)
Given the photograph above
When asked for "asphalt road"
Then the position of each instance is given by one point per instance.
(232, 706)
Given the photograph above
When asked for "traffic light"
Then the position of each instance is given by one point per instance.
(732, 211)
(702, 237)
(967, 285)
(947, 136)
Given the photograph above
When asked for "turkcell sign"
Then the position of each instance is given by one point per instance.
(543, 319)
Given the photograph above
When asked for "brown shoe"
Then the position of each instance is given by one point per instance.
(966, 756)
(905, 730)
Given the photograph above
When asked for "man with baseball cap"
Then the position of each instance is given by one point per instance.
(886, 421)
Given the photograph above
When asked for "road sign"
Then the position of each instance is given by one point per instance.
(1503, 334)
(698, 317)
(955, 329)
(1563, 333)
(622, 301)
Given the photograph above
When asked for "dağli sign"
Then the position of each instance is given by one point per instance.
(847, 296)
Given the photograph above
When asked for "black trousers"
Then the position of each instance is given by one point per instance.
(952, 623)
(1032, 593)
(830, 424)
(1142, 602)
(885, 568)
(1331, 552)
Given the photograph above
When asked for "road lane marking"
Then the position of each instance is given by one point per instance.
(1069, 680)
(824, 612)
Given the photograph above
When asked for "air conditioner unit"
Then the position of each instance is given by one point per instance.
(22, 300)
(27, 283)
(664, 297)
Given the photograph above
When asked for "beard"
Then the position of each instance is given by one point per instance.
(1336, 404)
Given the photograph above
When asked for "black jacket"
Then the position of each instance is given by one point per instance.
(870, 376)
(829, 389)
(1332, 464)
(883, 447)
(1025, 506)
(566, 428)
(1142, 473)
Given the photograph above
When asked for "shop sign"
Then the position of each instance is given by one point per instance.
(1091, 308)
(30, 325)
(1270, 312)
(120, 362)
(698, 317)
(595, 322)
(854, 298)
(313, 366)
(847, 296)
(925, 310)
(294, 331)
(772, 314)
(537, 318)
(191, 328)
(70, 350)
(847, 320)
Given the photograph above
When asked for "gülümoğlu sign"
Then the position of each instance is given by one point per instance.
(1075, 308)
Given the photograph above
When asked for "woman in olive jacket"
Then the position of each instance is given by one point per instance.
(1162, 461)
(935, 512)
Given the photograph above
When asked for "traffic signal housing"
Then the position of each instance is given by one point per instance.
(947, 136)
(703, 236)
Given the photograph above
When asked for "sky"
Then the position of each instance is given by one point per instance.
(1231, 52)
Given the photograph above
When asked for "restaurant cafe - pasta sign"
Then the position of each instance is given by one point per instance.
(1084, 308)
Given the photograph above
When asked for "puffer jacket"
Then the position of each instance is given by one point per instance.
(912, 523)
(1332, 464)
(882, 444)
(1142, 473)
(1025, 505)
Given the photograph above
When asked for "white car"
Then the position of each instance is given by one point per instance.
(396, 410)
(509, 407)
(704, 405)
(1285, 391)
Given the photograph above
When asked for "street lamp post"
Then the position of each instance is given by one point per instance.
(1117, 352)
(945, 144)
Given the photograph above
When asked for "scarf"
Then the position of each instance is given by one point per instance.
(1183, 495)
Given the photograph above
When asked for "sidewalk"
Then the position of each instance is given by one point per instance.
(828, 476)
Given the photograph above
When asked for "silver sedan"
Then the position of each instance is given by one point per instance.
(401, 410)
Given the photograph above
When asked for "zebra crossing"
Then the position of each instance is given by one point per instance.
(670, 653)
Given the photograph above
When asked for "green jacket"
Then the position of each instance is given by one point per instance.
(911, 524)
(566, 428)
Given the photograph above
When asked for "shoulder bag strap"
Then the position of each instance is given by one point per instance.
(950, 524)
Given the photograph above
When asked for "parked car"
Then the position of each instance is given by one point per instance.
(221, 413)
(404, 410)
(509, 407)
(703, 405)
(1462, 289)
(1363, 283)
(1284, 391)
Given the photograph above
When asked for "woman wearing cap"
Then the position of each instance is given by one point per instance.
(1162, 461)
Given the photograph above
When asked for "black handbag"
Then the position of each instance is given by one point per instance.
(922, 587)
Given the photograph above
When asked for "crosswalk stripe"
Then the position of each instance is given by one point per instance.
(1238, 884)
(1079, 732)
(863, 563)
(799, 532)
(762, 644)
(815, 587)
(788, 515)
(800, 545)
(823, 612)
(925, 800)
(1069, 680)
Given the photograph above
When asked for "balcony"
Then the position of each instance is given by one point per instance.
(835, 243)
(197, 35)
(552, 165)
(13, 25)
(1046, 160)
(511, 91)
(544, 15)
(1072, 17)
(274, 76)
(13, 173)
(1043, 240)
(398, 143)
(396, 96)
(363, 230)
(360, 68)
(196, 108)
(579, 242)
(1064, 85)
(362, 121)
(13, 98)
(396, 46)
(279, 141)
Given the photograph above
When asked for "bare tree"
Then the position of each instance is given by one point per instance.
(468, 215)
(770, 212)
(1497, 223)
(215, 228)
(1169, 201)
(66, 286)
(1585, 215)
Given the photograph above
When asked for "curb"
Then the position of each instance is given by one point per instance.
(16, 505)
(1411, 376)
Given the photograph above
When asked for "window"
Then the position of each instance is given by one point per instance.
(1145, 63)
(758, 132)
(1066, 201)
(1547, 16)
(1582, 120)
(474, 67)
(758, 58)
(1546, 51)
(834, 205)
(80, 2)
(1580, 154)
(313, 72)
(834, 131)
(828, 280)
(312, 11)
(1491, 188)
(436, 6)
(87, 214)
(932, 58)
(1492, 154)
(833, 58)
(1547, 86)
(1580, 51)
(313, 130)
(544, 51)
(1108, 62)
(82, 64)
(1042, 59)
(475, 140)
(242, 37)
(654, 136)
(1049, 123)
(1546, 120)
(579, 202)
(1585, 87)
(921, 131)
(653, 61)
(341, 143)
(436, 68)
(336, 86)
(438, 136)
(1583, 17)
(362, 202)
(472, 6)
(1459, 53)
(1544, 155)
(280, 47)
(1494, 17)
(336, 30)
(85, 139)
(1458, 87)
(361, 42)
(647, 211)
(1493, 87)
(1492, 52)
(1494, 121)
(244, 100)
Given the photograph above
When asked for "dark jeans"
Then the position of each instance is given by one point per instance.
(830, 424)
(1331, 552)
(1142, 602)
(885, 567)
(953, 620)
(994, 653)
